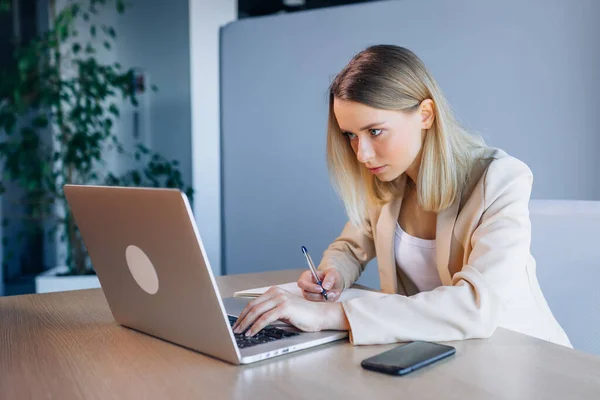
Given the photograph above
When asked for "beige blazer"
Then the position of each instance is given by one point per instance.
(483, 258)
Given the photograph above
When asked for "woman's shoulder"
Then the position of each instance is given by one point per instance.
(497, 164)
(494, 170)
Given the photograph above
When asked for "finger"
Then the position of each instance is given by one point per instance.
(246, 310)
(255, 314)
(329, 281)
(265, 320)
(313, 296)
(273, 291)
(249, 308)
(309, 287)
(333, 296)
(306, 277)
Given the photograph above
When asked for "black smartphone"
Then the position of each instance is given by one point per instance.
(407, 358)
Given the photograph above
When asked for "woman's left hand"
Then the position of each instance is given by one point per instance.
(279, 304)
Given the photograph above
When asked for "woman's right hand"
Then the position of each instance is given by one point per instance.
(332, 283)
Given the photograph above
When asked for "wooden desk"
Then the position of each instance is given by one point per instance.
(67, 346)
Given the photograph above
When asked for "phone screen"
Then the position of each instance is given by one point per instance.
(408, 357)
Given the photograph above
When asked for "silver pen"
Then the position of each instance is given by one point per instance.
(313, 269)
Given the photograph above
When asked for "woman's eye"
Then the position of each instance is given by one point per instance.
(375, 132)
(350, 135)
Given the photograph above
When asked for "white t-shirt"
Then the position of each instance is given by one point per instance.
(416, 257)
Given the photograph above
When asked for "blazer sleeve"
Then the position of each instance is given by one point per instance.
(472, 306)
(349, 254)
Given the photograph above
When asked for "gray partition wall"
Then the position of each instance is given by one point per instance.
(525, 74)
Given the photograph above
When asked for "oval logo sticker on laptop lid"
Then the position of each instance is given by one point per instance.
(141, 269)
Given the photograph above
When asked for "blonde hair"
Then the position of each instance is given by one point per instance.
(393, 78)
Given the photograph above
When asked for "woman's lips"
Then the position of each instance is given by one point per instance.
(377, 169)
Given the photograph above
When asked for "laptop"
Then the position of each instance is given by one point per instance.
(146, 250)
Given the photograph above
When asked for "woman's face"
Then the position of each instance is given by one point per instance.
(387, 142)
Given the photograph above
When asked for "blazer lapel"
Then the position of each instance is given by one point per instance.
(384, 245)
(443, 240)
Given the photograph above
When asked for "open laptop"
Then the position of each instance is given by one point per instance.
(153, 269)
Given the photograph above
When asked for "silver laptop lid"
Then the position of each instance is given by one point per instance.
(152, 266)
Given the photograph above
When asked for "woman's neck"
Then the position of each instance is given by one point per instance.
(412, 172)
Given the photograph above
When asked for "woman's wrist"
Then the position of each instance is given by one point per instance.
(335, 317)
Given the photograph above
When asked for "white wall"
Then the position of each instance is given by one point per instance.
(206, 18)
(154, 35)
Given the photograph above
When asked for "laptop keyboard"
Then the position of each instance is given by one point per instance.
(266, 335)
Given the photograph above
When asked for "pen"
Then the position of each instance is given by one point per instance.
(312, 268)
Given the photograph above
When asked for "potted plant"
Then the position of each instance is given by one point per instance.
(58, 107)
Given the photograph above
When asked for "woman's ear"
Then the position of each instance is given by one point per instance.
(427, 111)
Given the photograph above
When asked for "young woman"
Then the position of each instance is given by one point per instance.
(446, 217)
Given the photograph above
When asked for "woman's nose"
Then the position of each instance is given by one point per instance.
(365, 151)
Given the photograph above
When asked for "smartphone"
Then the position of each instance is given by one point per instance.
(407, 358)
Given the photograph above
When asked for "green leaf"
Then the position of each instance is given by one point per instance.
(93, 30)
(8, 121)
(4, 6)
(63, 32)
(114, 110)
(75, 10)
(23, 64)
(120, 6)
(41, 121)
(17, 97)
(137, 179)
(190, 193)
(46, 168)
(106, 45)
(76, 48)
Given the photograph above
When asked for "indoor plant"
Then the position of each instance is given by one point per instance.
(58, 107)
